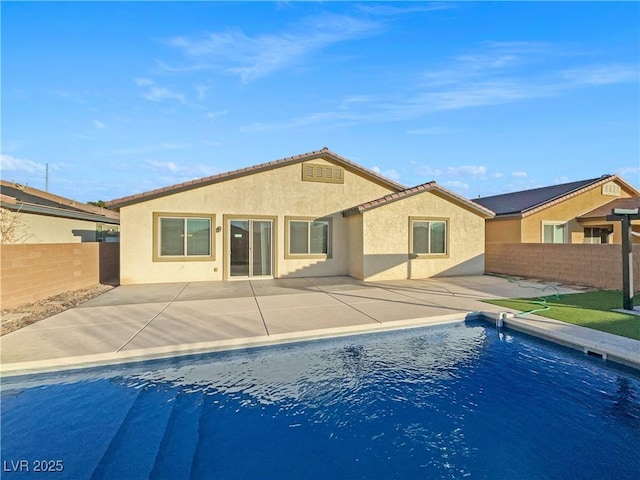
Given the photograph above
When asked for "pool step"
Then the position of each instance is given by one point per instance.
(179, 442)
(53, 418)
(133, 449)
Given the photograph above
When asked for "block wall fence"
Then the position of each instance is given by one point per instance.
(598, 266)
(31, 272)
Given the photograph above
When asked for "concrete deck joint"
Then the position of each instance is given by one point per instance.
(255, 299)
(152, 319)
(345, 303)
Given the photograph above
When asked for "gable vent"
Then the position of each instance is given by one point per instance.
(315, 172)
(611, 189)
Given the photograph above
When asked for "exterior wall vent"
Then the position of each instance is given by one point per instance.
(315, 172)
(611, 189)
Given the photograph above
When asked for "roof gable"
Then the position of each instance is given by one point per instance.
(325, 153)
(604, 210)
(409, 192)
(526, 202)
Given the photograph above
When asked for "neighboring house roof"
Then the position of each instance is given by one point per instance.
(408, 192)
(324, 153)
(21, 198)
(604, 210)
(526, 202)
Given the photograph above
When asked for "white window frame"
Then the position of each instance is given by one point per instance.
(565, 234)
(428, 220)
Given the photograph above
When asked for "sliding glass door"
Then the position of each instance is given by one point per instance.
(251, 245)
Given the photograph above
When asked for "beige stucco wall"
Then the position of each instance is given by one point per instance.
(45, 229)
(529, 228)
(503, 230)
(279, 193)
(386, 239)
(355, 232)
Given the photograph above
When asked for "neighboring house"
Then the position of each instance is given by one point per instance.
(315, 214)
(30, 215)
(568, 213)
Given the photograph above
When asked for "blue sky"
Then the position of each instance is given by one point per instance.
(483, 97)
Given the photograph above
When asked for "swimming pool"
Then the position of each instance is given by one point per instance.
(453, 401)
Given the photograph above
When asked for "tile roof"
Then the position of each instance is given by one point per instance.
(29, 199)
(408, 192)
(324, 153)
(527, 201)
(604, 210)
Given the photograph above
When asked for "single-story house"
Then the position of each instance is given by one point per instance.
(30, 215)
(315, 214)
(572, 212)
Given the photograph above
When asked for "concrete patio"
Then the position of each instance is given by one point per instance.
(135, 322)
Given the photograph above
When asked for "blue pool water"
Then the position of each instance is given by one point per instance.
(454, 401)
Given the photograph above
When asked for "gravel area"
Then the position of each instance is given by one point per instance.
(18, 317)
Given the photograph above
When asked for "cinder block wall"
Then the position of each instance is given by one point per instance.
(597, 266)
(31, 272)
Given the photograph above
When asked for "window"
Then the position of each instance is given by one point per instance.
(183, 237)
(309, 237)
(596, 235)
(554, 232)
(429, 237)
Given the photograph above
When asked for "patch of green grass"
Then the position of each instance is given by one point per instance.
(589, 309)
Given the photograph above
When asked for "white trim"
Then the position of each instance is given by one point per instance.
(565, 235)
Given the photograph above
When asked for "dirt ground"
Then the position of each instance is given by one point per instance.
(18, 317)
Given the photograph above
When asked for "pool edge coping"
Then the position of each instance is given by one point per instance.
(592, 342)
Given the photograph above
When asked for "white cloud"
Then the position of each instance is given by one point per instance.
(519, 174)
(628, 171)
(387, 10)
(14, 164)
(157, 165)
(253, 57)
(219, 114)
(432, 131)
(453, 172)
(156, 94)
(495, 73)
(354, 99)
(98, 124)
(595, 75)
(150, 148)
(201, 91)
(392, 173)
(142, 82)
(174, 172)
(457, 186)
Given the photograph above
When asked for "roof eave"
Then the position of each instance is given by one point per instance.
(19, 207)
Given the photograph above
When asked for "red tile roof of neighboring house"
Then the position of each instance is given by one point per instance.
(408, 192)
(324, 153)
(604, 210)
